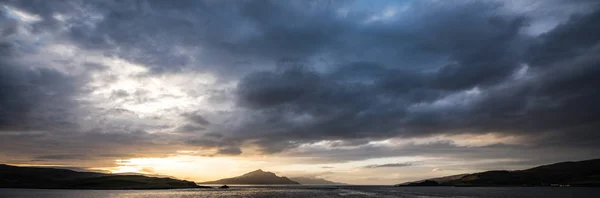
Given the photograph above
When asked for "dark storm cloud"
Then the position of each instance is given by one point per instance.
(197, 119)
(225, 145)
(236, 35)
(35, 98)
(301, 105)
(461, 38)
(562, 99)
(31, 98)
(389, 165)
(315, 107)
(566, 41)
(190, 128)
(306, 72)
(252, 34)
(265, 89)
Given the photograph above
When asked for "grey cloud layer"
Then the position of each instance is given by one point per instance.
(309, 71)
(32, 97)
(480, 91)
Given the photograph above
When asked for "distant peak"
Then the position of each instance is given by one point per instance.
(258, 171)
(255, 177)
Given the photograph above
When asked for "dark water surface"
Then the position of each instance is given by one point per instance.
(314, 191)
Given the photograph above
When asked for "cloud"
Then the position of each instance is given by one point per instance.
(34, 98)
(282, 76)
(371, 99)
(229, 151)
(345, 104)
(195, 118)
(266, 89)
(190, 128)
(224, 145)
(61, 157)
(405, 164)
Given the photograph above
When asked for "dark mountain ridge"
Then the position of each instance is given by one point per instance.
(55, 178)
(581, 173)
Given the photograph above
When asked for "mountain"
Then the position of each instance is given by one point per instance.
(315, 181)
(55, 178)
(581, 173)
(255, 177)
(432, 181)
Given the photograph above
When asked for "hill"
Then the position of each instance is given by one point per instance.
(581, 173)
(55, 178)
(432, 181)
(314, 181)
(255, 177)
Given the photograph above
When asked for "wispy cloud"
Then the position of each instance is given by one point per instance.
(393, 165)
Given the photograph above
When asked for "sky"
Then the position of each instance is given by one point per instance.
(361, 92)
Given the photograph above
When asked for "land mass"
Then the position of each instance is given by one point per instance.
(259, 177)
(314, 181)
(54, 178)
(582, 173)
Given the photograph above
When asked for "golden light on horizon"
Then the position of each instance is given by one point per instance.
(127, 169)
(196, 168)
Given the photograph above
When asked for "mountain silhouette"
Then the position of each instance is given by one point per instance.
(255, 177)
(55, 178)
(581, 173)
(314, 181)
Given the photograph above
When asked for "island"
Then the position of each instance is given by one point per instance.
(55, 178)
(257, 177)
(581, 174)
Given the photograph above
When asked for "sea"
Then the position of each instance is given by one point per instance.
(314, 191)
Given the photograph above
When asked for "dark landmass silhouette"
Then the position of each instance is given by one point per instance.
(314, 181)
(55, 178)
(255, 177)
(582, 173)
